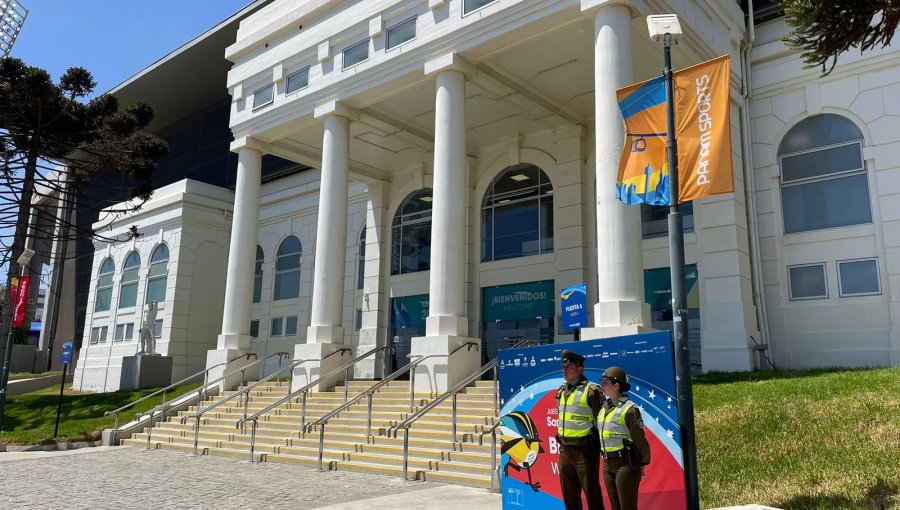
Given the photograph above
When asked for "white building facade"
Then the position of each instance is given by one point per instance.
(465, 155)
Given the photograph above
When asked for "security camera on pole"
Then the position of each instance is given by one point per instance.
(14, 309)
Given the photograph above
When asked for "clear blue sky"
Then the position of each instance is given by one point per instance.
(113, 39)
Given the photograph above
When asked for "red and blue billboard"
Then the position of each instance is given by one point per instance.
(529, 378)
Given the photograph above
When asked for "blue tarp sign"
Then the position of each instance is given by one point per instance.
(573, 303)
(529, 379)
(66, 356)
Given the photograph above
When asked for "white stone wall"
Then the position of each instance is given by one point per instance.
(193, 220)
(837, 331)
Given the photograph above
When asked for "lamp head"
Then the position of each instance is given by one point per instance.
(661, 24)
(25, 257)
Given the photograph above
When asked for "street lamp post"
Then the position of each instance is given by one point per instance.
(23, 261)
(666, 28)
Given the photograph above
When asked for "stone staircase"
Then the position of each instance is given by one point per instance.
(433, 455)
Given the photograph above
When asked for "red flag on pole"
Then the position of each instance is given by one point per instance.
(20, 299)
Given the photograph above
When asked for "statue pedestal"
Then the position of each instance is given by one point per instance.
(145, 371)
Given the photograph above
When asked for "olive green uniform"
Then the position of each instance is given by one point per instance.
(621, 480)
(579, 462)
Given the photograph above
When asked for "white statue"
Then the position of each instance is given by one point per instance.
(148, 338)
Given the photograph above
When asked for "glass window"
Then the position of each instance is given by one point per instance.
(807, 282)
(103, 298)
(859, 277)
(95, 335)
(655, 219)
(158, 275)
(257, 275)
(473, 5)
(297, 81)
(277, 324)
(411, 234)
(129, 287)
(120, 333)
(401, 32)
(290, 326)
(157, 328)
(517, 214)
(357, 53)
(823, 175)
(129, 331)
(358, 319)
(264, 95)
(361, 264)
(101, 334)
(287, 269)
(254, 329)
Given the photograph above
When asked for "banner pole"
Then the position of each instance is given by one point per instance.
(679, 297)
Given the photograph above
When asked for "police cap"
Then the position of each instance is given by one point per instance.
(569, 357)
(617, 375)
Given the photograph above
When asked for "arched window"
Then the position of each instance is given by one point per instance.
(287, 269)
(158, 274)
(517, 214)
(129, 288)
(103, 298)
(257, 275)
(411, 234)
(823, 175)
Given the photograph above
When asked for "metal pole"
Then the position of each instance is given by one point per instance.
(369, 426)
(114, 431)
(196, 435)
(679, 297)
(62, 385)
(252, 439)
(321, 445)
(453, 417)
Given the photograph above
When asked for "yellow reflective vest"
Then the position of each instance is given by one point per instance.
(575, 415)
(613, 430)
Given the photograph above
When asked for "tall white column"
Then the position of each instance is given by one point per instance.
(235, 336)
(620, 261)
(325, 336)
(331, 234)
(447, 327)
(447, 307)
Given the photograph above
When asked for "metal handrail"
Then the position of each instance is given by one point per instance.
(321, 422)
(451, 393)
(495, 468)
(198, 415)
(304, 391)
(165, 390)
(204, 390)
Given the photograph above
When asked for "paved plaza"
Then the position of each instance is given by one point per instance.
(127, 477)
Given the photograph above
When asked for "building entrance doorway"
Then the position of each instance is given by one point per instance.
(511, 313)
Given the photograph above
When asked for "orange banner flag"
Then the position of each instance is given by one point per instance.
(703, 131)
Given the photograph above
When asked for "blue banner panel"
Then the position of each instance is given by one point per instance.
(529, 378)
(518, 301)
(573, 304)
(409, 311)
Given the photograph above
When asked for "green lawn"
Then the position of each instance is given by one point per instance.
(799, 440)
(28, 375)
(30, 417)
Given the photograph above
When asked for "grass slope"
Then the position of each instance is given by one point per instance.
(799, 440)
(30, 417)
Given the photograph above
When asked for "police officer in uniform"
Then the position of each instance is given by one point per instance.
(624, 446)
(579, 462)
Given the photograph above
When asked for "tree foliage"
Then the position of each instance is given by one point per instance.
(46, 126)
(824, 29)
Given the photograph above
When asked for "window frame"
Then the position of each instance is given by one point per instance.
(365, 42)
(151, 277)
(841, 292)
(466, 13)
(123, 284)
(824, 267)
(398, 223)
(280, 273)
(287, 82)
(507, 198)
(258, 274)
(105, 287)
(270, 86)
(414, 18)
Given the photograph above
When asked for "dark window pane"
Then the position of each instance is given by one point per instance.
(287, 285)
(160, 254)
(487, 235)
(826, 204)
(356, 54)
(276, 326)
(655, 219)
(819, 131)
(411, 234)
(808, 282)
(471, 5)
(103, 300)
(133, 260)
(822, 162)
(264, 95)
(257, 289)
(290, 245)
(285, 262)
(297, 81)
(254, 329)
(156, 290)
(128, 295)
(859, 277)
(546, 225)
(290, 325)
(401, 32)
(516, 230)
